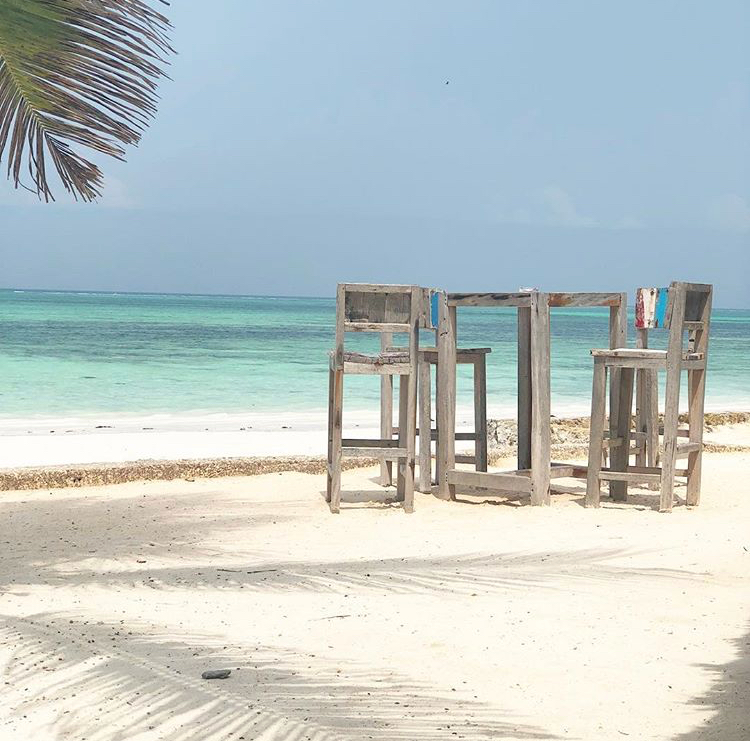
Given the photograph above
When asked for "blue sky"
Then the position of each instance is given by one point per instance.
(473, 146)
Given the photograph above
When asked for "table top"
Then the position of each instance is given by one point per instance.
(523, 298)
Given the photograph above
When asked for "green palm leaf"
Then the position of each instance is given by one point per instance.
(75, 73)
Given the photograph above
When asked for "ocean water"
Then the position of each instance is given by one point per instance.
(87, 354)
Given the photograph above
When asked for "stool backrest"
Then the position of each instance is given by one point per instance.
(384, 308)
(681, 307)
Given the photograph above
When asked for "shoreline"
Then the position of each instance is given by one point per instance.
(725, 432)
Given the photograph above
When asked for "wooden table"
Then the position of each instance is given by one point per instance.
(535, 468)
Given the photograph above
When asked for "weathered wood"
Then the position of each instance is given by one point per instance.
(618, 337)
(540, 399)
(368, 442)
(446, 394)
(465, 355)
(382, 309)
(389, 357)
(377, 287)
(411, 402)
(480, 413)
(647, 419)
(672, 400)
(524, 387)
(389, 327)
(696, 398)
(331, 413)
(489, 299)
(466, 458)
(687, 449)
(642, 396)
(494, 481)
(696, 287)
(557, 470)
(596, 434)
(386, 412)
(336, 448)
(585, 299)
(623, 477)
(618, 489)
(379, 369)
(425, 427)
(374, 452)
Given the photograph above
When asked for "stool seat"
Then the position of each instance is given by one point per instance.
(628, 353)
(461, 352)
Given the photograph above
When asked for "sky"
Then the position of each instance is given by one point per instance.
(463, 145)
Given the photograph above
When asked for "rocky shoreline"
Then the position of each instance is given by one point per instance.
(570, 436)
(569, 440)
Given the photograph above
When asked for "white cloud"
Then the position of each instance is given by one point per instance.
(629, 222)
(730, 211)
(553, 205)
(561, 209)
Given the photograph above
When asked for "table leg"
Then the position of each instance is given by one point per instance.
(540, 399)
(524, 387)
(446, 395)
(618, 337)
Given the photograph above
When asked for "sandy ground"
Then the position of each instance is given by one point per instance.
(464, 620)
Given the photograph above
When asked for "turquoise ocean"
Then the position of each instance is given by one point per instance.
(86, 354)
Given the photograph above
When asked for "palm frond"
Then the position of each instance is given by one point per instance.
(76, 72)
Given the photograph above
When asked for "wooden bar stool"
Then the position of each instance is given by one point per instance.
(683, 307)
(477, 358)
(386, 309)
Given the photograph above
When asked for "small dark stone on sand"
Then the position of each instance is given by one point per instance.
(216, 674)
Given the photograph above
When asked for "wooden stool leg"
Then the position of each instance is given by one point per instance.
(425, 428)
(386, 412)
(403, 395)
(329, 466)
(386, 426)
(620, 455)
(696, 400)
(480, 413)
(411, 440)
(337, 408)
(671, 420)
(596, 434)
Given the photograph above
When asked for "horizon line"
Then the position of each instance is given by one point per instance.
(225, 295)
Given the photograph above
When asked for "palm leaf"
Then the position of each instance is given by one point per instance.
(76, 73)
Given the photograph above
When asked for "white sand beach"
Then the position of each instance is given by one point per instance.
(464, 620)
(117, 439)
